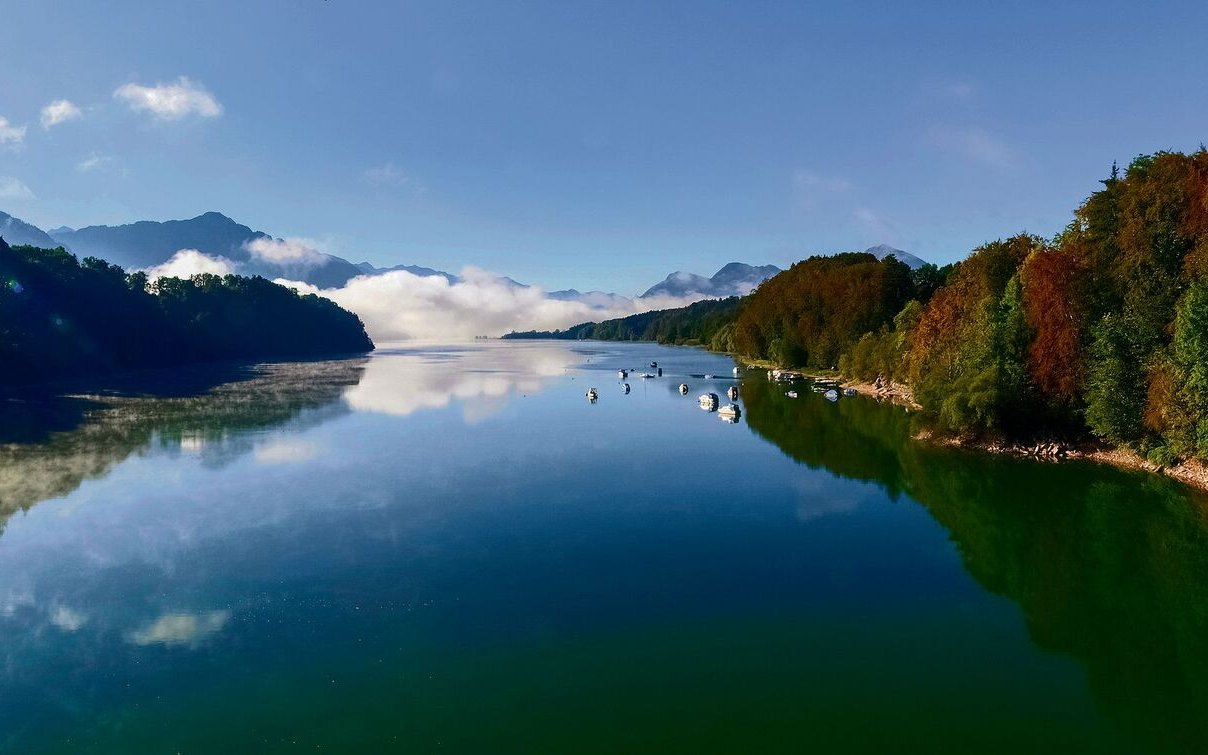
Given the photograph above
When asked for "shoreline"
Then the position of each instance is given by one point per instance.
(1189, 472)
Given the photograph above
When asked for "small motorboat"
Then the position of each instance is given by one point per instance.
(791, 394)
(622, 374)
(735, 372)
(591, 395)
(732, 393)
(625, 389)
(646, 376)
(730, 412)
(708, 377)
(653, 365)
(659, 372)
(708, 402)
(683, 389)
(831, 395)
(849, 391)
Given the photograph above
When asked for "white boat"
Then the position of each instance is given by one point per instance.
(732, 393)
(708, 401)
(625, 389)
(591, 394)
(831, 395)
(683, 389)
(791, 394)
(708, 377)
(849, 391)
(646, 376)
(735, 372)
(729, 410)
(622, 374)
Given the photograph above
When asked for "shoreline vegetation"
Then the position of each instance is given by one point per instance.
(1092, 344)
(62, 319)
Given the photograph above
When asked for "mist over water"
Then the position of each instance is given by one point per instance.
(399, 306)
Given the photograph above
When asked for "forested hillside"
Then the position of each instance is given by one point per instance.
(1102, 330)
(62, 318)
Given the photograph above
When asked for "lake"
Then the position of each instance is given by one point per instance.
(451, 549)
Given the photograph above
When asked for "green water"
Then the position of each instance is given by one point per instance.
(450, 549)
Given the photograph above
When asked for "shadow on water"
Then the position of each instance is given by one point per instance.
(52, 441)
(1109, 567)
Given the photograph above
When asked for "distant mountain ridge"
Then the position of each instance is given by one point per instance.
(19, 233)
(733, 279)
(147, 243)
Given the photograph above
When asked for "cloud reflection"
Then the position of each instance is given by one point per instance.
(175, 629)
(403, 382)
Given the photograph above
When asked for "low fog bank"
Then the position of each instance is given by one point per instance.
(402, 306)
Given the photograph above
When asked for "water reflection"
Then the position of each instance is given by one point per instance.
(85, 438)
(1107, 566)
(482, 377)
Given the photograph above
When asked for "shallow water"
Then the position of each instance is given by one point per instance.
(452, 549)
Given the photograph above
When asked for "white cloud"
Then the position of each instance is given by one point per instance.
(11, 135)
(95, 161)
(171, 102)
(400, 306)
(180, 628)
(59, 111)
(385, 175)
(12, 189)
(879, 229)
(975, 144)
(67, 619)
(286, 251)
(951, 89)
(815, 191)
(189, 262)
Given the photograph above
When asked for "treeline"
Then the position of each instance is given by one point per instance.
(62, 318)
(705, 323)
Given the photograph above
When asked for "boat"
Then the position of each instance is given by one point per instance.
(849, 391)
(683, 389)
(730, 411)
(622, 374)
(732, 393)
(646, 376)
(591, 395)
(625, 389)
(831, 395)
(654, 365)
(735, 372)
(708, 377)
(791, 394)
(708, 401)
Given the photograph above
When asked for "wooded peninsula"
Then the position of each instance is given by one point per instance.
(63, 318)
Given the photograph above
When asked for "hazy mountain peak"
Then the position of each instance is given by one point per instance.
(17, 232)
(733, 279)
(881, 251)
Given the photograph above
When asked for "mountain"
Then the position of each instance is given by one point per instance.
(881, 251)
(423, 272)
(17, 233)
(148, 243)
(596, 299)
(734, 279)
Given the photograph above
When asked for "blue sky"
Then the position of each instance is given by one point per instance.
(594, 145)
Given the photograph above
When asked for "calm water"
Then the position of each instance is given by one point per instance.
(450, 549)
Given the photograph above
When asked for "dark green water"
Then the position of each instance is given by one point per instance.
(450, 549)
